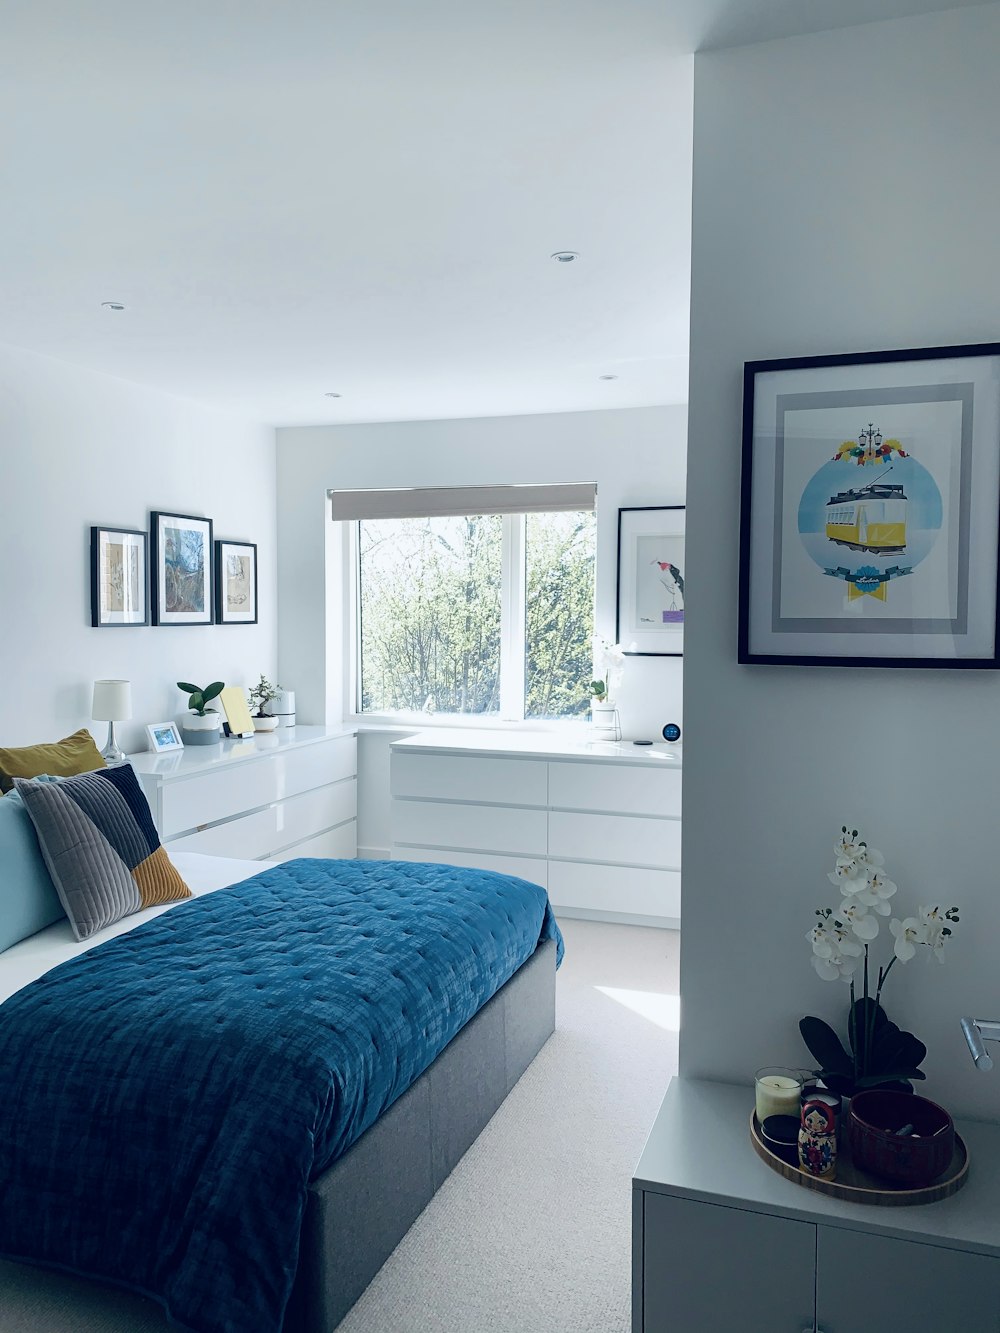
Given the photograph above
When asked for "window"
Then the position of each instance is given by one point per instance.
(481, 614)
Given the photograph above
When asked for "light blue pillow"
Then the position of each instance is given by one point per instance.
(28, 898)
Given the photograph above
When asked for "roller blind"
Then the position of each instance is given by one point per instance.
(437, 501)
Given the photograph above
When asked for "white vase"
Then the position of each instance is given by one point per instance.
(604, 721)
(202, 730)
(265, 723)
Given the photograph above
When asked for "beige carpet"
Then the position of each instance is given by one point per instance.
(531, 1232)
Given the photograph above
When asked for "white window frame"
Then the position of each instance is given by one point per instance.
(513, 627)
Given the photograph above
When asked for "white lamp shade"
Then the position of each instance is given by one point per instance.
(112, 700)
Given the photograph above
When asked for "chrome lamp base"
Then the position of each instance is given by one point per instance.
(112, 752)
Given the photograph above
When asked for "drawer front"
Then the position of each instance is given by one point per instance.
(339, 843)
(615, 788)
(472, 778)
(265, 831)
(615, 889)
(524, 867)
(616, 838)
(233, 788)
(487, 828)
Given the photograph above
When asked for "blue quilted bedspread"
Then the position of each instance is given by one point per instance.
(166, 1098)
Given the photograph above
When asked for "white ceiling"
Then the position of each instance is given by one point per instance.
(296, 196)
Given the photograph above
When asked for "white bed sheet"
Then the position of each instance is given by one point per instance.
(32, 958)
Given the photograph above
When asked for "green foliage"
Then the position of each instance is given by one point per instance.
(260, 694)
(200, 697)
(430, 613)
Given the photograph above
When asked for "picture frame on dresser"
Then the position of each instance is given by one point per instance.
(181, 555)
(235, 583)
(119, 577)
(649, 611)
(869, 525)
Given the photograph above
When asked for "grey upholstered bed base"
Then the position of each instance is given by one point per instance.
(361, 1208)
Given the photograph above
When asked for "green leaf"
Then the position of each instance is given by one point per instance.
(825, 1046)
(197, 702)
(188, 689)
(212, 691)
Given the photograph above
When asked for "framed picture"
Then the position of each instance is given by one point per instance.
(182, 569)
(650, 611)
(868, 533)
(236, 583)
(164, 736)
(119, 579)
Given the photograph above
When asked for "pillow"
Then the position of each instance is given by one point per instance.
(101, 848)
(73, 754)
(28, 898)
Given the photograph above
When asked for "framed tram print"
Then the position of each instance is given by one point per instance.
(870, 493)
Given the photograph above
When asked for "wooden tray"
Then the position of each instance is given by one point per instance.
(857, 1186)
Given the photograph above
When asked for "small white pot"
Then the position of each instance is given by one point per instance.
(265, 723)
(205, 730)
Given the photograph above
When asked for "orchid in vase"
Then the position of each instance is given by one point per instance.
(609, 668)
(880, 1052)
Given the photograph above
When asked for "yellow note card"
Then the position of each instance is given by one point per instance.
(234, 701)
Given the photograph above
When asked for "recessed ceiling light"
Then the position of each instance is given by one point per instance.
(333, 395)
(565, 256)
(112, 305)
(607, 377)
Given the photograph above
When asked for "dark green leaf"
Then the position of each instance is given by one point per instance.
(897, 1076)
(188, 689)
(825, 1046)
(213, 691)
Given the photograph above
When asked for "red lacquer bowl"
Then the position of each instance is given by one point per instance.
(876, 1146)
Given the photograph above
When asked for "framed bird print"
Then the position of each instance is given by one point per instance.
(651, 567)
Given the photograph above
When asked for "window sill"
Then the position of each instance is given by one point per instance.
(567, 728)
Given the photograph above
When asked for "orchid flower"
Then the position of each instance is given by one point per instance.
(908, 933)
(876, 893)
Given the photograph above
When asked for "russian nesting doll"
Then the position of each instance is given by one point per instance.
(818, 1140)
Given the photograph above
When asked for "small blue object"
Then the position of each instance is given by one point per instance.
(671, 732)
(642, 742)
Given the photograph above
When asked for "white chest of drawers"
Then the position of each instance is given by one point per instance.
(287, 793)
(597, 825)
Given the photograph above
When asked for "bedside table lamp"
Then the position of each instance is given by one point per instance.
(112, 703)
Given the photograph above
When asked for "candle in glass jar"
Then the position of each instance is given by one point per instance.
(778, 1092)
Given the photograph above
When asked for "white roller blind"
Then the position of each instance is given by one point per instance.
(436, 501)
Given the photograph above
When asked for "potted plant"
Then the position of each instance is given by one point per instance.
(260, 694)
(609, 668)
(202, 725)
(878, 1053)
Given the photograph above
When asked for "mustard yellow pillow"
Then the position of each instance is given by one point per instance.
(62, 759)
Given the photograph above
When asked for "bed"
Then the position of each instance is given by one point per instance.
(124, 1167)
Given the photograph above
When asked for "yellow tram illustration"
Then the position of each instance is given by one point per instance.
(869, 518)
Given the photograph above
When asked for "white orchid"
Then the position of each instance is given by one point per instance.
(609, 664)
(936, 928)
(876, 892)
(862, 923)
(836, 954)
(849, 874)
(908, 934)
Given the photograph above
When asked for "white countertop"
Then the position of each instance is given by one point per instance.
(195, 759)
(539, 745)
(699, 1148)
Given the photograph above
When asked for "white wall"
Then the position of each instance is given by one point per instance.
(79, 448)
(636, 456)
(846, 191)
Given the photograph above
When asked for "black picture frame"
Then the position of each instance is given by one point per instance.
(119, 578)
(181, 588)
(899, 567)
(645, 534)
(231, 587)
